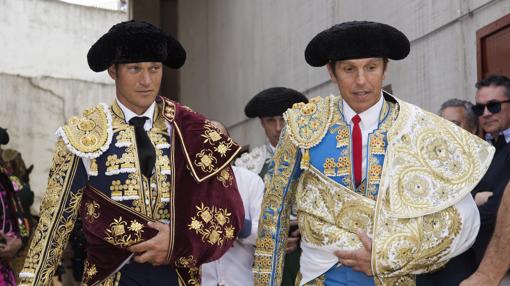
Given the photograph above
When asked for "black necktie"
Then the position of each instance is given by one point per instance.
(146, 152)
(500, 143)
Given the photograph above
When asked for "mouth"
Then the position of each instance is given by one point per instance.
(361, 93)
(145, 92)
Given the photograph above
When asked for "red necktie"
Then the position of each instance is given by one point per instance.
(356, 149)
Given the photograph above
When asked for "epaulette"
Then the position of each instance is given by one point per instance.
(90, 135)
(307, 123)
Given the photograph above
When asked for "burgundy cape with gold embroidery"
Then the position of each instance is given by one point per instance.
(206, 209)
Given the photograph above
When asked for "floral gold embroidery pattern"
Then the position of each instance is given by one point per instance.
(225, 177)
(90, 270)
(206, 160)
(92, 211)
(186, 262)
(120, 234)
(213, 224)
(330, 214)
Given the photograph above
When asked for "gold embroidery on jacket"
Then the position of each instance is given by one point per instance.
(186, 262)
(225, 177)
(206, 160)
(92, 212)
(58, 208)
(88, 133)
(213, 224)
(269, 255)
(120, 234)
(194, 274)
(308, 123)
(89, 272)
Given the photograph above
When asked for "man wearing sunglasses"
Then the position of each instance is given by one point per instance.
(493, 111)
(493, 108)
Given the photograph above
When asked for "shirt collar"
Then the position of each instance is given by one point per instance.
(369, 117)
(506, 133)
(128, 114)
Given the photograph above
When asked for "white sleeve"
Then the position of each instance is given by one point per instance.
(254, 203)
(470, 225)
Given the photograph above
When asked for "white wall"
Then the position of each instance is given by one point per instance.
(239, 47)
(44, 76)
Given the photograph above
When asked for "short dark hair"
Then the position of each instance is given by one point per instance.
(495, 80)
(468, 109)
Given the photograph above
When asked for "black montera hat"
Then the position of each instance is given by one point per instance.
(356, 40)
(273, 101)
(132, 42)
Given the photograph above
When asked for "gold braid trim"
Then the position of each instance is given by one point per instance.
(59, 210)
(275, 212)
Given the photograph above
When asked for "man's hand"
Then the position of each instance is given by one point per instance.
(479, 278)
(360, 259)
(154, 250)
(482, 197)
(11, 246)
(293, 239)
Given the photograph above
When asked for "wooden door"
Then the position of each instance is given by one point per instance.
(493, 48)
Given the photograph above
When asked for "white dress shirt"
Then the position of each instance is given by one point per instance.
(369, 122)
(235, 267)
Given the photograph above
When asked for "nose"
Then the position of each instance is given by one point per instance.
(486, 112)
(279, 124)
(361, 78)
(145, 78)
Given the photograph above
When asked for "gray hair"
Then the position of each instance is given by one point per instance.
(468, 109)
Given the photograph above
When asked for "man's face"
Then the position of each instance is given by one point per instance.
(137, 84)
(359, 81)
(272, 126)
(457, 115)
(493, 123)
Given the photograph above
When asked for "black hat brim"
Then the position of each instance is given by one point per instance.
(356, 40)
(135, 41)
(273, 102)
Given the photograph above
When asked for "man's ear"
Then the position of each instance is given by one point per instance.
(332, 72)
(112, 71)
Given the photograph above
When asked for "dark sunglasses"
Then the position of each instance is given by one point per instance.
(492, 106)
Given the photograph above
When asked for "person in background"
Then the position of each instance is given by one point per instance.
(20, 178)
(235, 267)
(461, 113)
(269, 106)
(14, 228)
(493, 111)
